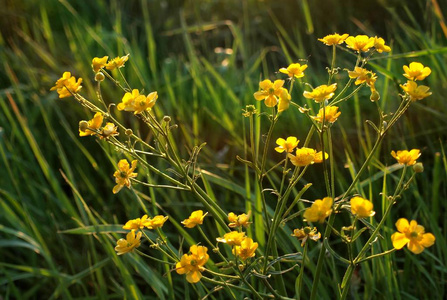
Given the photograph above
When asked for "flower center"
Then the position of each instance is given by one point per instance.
(414, 234)
(123, 174)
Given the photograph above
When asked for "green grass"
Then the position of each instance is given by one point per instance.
(59, 219)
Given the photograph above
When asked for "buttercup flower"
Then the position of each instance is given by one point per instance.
(362, 75)
(331, 114)
(156, 222)
(196, 218)
(117, 62)
(270, 92)
(306, 233)
(131, 242)
(319, 210)
(238, 220)
(414, 91)
(360, 43)
(246, 249)
(145, 103)
(284, 100)
(192, 264)
(294, 70)
(416, 71)
(129, 99)
(412, 235)
(361, 207)
(303, 157)
(93, 124)
(108, 130)
(233, 238)
(334, 39)
(321, 93)
(319, 157)
(99, 63)
(123, 174)
(286, 145)
(380, 46)
(136, 224)
(405, 157)
(67, 85)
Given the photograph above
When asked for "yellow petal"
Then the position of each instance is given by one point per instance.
(402, 225)
(428, 240)
(193, 276)
(415, 247)
(399, 240)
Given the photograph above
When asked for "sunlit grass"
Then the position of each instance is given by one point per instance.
(52, 182)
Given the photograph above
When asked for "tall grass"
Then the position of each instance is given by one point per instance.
(59, 220)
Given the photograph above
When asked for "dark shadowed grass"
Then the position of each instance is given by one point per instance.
(59, 220)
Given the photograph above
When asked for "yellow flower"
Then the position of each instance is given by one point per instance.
(361, 207)
(380, 46)
(286, 145)
(246, 249)
(156, 222)
(93, 124)
(284, 100)
(127, 245)
(129, 99)
(192, 264)
(270, 92)
(334, 39)
(416, 71)
(331, 114)
(99, 63)
(67, 85)
(414, 91)
(136, 224)
(412, 235)
(321, 93)
(304, 156)
(362, 75)
(117, 62)
(360, 43)
(109, 129)
(123, 175)
(145, 103)
(296, 70)
(319, 157)
(233, 238)
(306, 233)
(196, 218)
(405, 157)
(238, 220)
(320, 210)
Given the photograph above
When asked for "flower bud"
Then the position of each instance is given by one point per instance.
(167, 119)
(418, 167)
(128, 132)
(375, 96)
(83, 125)
(99, 77)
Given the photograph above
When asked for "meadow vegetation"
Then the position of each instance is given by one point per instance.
(214, 132)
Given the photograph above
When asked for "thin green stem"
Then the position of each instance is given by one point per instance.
(300, 276)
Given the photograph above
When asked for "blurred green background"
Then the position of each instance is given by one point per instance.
(205, 59)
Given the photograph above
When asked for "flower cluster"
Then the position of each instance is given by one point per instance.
(124, 174)
(416, 71)
(192, 264)
(67, 85)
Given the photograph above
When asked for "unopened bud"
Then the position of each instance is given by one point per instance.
(83, 125)
(128, 132)
(99, 76)
(375, 96)
(418, 167)
(167, 119)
